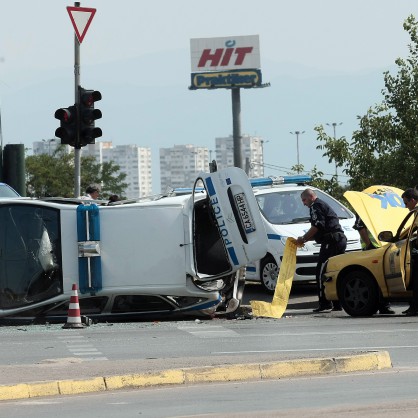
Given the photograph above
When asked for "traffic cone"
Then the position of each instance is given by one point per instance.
(74, 317)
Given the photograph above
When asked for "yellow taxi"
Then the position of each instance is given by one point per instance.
(362, 279)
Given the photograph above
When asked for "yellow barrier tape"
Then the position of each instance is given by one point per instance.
(276, 308)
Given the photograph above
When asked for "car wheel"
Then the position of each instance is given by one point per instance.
(268, 274)
(358, 294)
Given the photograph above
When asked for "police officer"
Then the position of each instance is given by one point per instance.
(410, 199)
(325, 230)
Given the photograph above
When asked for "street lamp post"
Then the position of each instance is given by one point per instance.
(334, 127)
(297, 133)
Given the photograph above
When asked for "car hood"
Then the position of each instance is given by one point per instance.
(380, 207)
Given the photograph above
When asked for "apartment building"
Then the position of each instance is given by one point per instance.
(48, 146)
(180, 164)
(251, 150)
(133, 160)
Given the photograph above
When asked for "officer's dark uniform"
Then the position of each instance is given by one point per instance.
(413, 307)
(331, 237)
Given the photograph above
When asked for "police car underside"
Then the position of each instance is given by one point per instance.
(161, 256)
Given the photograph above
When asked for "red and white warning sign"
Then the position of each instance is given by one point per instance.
(81, 18)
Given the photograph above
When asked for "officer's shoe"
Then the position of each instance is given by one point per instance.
(336, 306)
(386, 311)
(323, 308)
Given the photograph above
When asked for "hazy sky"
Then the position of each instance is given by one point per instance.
(323, 34)
(321, 38)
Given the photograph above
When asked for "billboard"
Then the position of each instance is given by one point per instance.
(226, 53)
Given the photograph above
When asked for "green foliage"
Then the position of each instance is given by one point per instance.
(384, 149)
(53, 175)
(332, 186)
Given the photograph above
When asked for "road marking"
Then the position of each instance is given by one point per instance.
(213, 331)
(316, 349)
(290, 334)
(77, 345)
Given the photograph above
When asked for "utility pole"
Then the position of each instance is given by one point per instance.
(334, 127)
(297, 133)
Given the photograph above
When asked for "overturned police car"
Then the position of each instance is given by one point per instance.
(162, 255)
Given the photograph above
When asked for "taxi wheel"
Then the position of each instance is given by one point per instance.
(268, 274)
(358, 294)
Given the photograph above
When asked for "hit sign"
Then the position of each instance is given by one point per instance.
(228, 62)
(220, 54)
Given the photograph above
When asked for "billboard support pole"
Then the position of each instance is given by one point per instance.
(236, 126)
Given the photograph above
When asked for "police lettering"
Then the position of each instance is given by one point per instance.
(221, 221)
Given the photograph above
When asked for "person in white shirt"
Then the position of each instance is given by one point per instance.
(92, 193)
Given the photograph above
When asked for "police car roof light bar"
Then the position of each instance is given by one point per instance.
(187, 190)
(274, 181)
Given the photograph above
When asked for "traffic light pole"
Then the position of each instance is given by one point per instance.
(77, 149)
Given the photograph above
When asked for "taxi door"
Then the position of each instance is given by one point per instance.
(237, 215)
(397, 259)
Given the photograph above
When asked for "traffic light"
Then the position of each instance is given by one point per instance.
(68, 128)
(88, 114)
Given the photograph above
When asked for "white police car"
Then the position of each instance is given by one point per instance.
(161, 255)
(285, 216)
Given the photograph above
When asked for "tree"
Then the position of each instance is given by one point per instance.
(53, 175)
(384, 150)
(330, 186)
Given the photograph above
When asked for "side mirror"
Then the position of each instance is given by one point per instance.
(385, 236)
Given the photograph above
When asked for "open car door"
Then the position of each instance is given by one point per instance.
(397, 259)
(236, 234)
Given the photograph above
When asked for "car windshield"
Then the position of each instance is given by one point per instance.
(286, 207)
(6, 191)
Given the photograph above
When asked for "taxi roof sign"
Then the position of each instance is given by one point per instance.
(81, 18)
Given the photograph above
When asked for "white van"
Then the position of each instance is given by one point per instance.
(285, 216)
(162, 255)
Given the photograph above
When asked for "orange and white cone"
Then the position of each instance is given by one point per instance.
(74, 317)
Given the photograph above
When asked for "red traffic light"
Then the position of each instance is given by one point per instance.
(66, 114)
(88, 97)
(68, 126)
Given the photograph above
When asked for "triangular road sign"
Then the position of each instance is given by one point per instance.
(81, 18)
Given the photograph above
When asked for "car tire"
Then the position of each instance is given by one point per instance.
(359, 294)
(269, 272)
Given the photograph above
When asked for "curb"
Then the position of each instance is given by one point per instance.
(375, 360)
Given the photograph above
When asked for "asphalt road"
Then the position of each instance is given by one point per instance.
(302, 296)
(45, 352)
(368, 395)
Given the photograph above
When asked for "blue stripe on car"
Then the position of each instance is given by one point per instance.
(274, 236)
(209, 185)
(233, 255)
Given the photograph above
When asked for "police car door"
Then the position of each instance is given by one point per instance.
(241, 237)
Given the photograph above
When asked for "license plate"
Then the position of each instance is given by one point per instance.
(244, 213)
